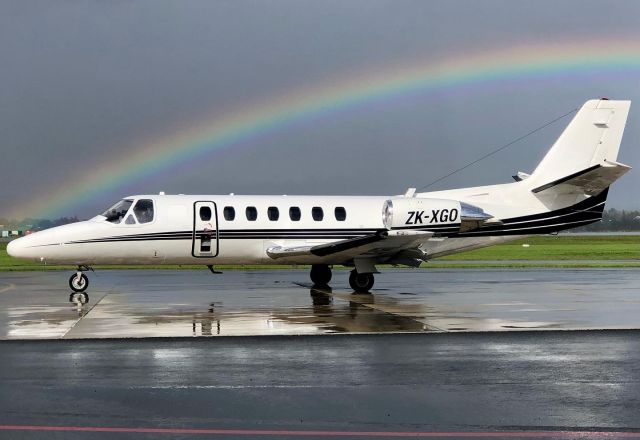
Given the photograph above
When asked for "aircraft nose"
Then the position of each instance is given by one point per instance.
(15, 248)
(22, 247)
(38, 246)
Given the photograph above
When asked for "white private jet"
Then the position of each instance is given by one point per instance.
(567, 189)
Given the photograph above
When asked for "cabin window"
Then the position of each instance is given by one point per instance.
(205, 213)
(252, 213)
(341, 214)
(273, 213)
(229, 213)
(317, 213)
(294, 214)
(144, 211)
(116, 213)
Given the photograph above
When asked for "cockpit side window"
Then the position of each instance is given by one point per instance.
(116, 213)
(144, 210)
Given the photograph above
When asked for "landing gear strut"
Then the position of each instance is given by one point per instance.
(79, 283)
(361, 282)
(320, 275)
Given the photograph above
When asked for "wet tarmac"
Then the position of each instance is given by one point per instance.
(558, 384)
(124, 304)
(412, 359)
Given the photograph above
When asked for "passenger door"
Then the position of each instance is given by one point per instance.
(205, 230)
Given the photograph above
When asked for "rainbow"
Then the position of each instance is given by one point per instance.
(478, 68)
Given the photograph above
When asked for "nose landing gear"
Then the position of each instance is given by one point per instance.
(78, 282)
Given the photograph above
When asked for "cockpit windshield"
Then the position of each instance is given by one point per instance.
(144, 211)
(116, 213)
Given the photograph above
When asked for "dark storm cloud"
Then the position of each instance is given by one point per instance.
(81, 80)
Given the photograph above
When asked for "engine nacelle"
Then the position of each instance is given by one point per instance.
(439, 214)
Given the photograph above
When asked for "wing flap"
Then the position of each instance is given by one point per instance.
(276, 252)
(380, 244)
(343, 245)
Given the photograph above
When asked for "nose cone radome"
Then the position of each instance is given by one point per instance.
(16, 248)
(30, 246)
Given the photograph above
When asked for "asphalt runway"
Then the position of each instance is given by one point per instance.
(163, 303)
(438, 353)
(564, 384)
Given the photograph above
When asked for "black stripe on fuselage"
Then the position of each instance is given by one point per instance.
(241, 234)
(584, 205)
(428, 227)
(587, 211)
(561, 221)
(545, 229)
(582, 213)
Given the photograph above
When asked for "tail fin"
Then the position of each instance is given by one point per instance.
(583, 159)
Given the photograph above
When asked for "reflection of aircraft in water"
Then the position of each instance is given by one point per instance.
(567, 189)
(326, 312)
(343, 312)
(320, 298)
(209, 323)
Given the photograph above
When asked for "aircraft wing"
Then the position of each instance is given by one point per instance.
(380, 244)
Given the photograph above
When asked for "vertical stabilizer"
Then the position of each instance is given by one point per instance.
(591, 139)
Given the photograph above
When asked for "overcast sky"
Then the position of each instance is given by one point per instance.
(81, 81)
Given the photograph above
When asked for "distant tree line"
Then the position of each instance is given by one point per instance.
(34, 224)
(615, 220)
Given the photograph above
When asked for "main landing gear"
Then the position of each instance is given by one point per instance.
(359, 282)
(320, 275)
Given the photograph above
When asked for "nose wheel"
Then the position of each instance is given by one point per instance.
(78, 282)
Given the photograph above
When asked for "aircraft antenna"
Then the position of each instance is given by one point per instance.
(499, 149)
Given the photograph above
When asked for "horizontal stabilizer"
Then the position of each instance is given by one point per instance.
(520, 176)
(590, 181)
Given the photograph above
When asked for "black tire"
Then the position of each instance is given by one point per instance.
(320, 274)
(361, 282)
(78, 285)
